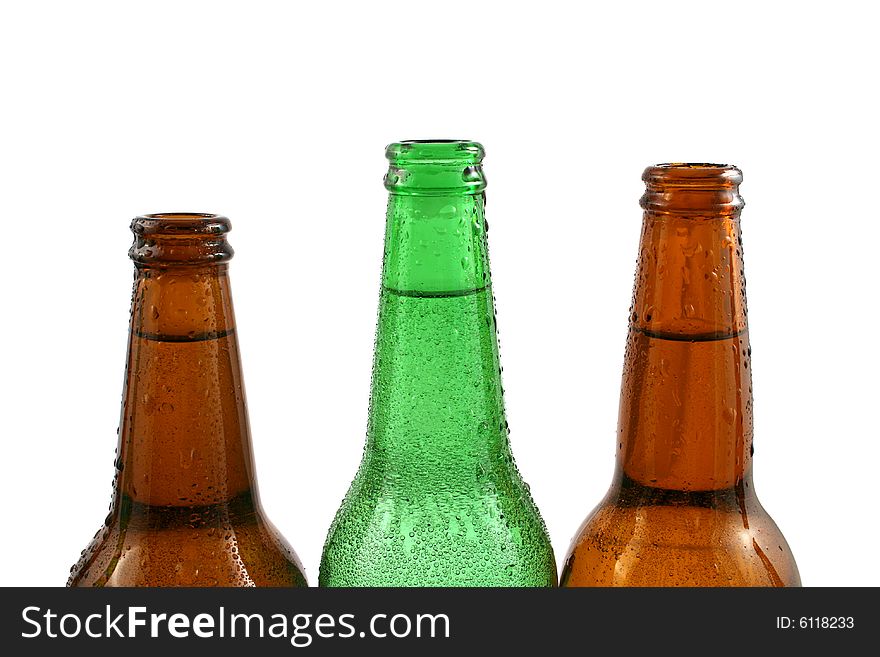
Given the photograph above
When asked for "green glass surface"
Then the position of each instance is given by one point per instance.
(438, 500)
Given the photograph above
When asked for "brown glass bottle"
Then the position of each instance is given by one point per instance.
(682, 509)
(185, 508)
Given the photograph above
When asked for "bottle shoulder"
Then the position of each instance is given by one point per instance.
(393, 536)
(233, 551)
(679, 545)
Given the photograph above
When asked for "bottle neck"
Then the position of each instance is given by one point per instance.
(435, 245)
(436, 395)
(686, 401)
(184, 436)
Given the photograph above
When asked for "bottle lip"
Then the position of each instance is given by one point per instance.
(175, 239)
(435, 167)
(181, 224)
(430, 151)
(693, 174)
(694, 189)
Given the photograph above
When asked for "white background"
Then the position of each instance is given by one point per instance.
(277, 114)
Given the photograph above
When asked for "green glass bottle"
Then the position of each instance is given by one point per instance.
(438, 500)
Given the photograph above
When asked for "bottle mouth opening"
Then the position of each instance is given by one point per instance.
(180, 224)
(435, 151)
(706, 175)
(182, 216)
(692, 165)
(436, 141)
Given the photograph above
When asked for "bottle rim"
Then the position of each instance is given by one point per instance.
(429, 151)
(697, 189)
(692, 174)
(692, 165)
(175, 239)
(183, 224)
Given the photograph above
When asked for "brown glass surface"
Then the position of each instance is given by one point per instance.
(185, 508)
(682, 509)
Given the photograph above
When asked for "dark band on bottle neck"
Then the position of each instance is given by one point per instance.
(180, 239)
(190, 336)
(703, 190)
